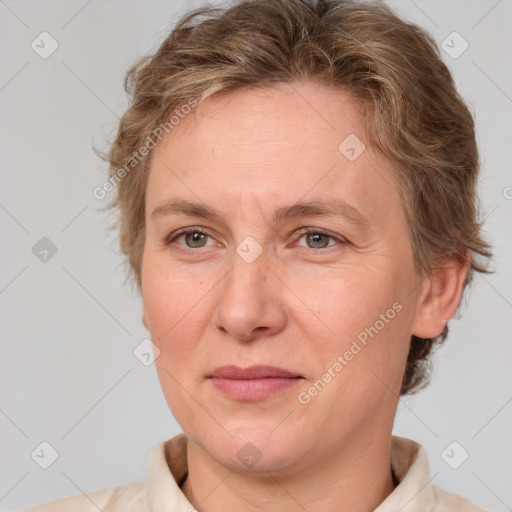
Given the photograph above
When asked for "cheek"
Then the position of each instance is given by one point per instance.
(172, 297)
(364, 318)
(347, 300)
(172, 307)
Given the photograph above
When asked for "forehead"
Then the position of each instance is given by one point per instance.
(277, 144)
(272, 115)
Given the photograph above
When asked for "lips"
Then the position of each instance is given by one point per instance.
(252, 384)
(253, 372)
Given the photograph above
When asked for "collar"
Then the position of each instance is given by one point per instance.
(409, 462)
(167, 469)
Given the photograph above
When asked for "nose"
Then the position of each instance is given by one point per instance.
(250, 301)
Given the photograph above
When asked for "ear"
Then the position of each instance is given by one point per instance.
(440, 296)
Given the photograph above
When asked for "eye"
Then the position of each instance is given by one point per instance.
(318, 238)
(195, 238)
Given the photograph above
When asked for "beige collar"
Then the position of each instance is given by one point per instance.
(167, 468)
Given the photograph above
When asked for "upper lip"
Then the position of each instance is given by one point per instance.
(252, 372)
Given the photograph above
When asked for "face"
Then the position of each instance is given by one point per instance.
(283, 330)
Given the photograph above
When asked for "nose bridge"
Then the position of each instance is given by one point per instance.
(246, 303)
(249, 269)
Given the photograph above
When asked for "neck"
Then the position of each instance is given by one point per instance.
(354, 477)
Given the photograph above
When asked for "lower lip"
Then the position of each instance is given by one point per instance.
(253, 389)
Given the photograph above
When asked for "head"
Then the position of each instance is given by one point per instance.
(261, 115)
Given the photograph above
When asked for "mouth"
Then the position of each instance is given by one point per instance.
(252, 384)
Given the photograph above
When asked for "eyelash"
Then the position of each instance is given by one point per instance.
(300, 233)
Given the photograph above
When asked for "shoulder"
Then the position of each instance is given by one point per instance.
(445, 501)
(126, 498)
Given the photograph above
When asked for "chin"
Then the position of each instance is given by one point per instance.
(252, 449)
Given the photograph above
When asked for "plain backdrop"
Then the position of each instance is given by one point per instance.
(69, 327)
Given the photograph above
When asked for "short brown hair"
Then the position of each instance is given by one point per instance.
(413, 114)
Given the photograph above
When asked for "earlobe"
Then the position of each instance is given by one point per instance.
(144, 320)
(440, 298)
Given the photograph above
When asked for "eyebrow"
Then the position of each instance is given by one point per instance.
(333, 207)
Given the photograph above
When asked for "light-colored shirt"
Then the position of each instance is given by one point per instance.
(167, 469)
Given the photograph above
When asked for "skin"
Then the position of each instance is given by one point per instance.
(297, 306)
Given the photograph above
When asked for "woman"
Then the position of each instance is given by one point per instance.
(296, 189)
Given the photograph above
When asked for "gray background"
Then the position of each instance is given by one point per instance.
(69, 327)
